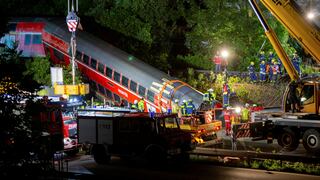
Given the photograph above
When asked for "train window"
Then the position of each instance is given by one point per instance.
(27, 39)
(116, 98)
(47, 49)
(133, 86)
(36, 39)
(78, 56)
(93, 85)
(109, 72)
(150, 96)
(101, 68)
(93, 63)
(125, 81)
(101, 88)
(116, 76)
(142, 91)
(125, 102)
(58, 55)
(108, 93)
(86, 59)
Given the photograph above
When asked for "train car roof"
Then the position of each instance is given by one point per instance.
(106, 53)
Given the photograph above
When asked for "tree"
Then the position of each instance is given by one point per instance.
(18, 136)
(39, 69)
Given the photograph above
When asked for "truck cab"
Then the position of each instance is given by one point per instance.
(309, 96)
(154, 137)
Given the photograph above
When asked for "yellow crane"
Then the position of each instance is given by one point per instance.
(307, 35)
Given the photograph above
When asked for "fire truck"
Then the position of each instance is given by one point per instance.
(119, 132)
(289, 129)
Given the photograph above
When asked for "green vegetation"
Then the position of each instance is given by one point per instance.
(266, 94)
(21, 140)
(278, 165)
(171, 34)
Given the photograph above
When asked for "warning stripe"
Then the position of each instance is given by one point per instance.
(243, 130)
(72, 25)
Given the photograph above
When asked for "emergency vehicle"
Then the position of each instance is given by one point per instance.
(118, 132)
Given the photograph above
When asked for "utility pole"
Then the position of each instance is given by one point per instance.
(72, 21)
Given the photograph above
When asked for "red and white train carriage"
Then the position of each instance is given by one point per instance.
(111, 71)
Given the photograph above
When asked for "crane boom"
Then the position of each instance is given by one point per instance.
(275, 42)
(288, 13)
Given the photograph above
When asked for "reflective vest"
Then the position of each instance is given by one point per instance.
(183, 108)
(206, 96)
(175, 108)
(245, 114)
(227, 116)
(141, 105)
(226, 89)
(212, 96)
(134, 106)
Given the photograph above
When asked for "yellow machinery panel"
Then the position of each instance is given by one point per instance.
(83, 89)
(72, 89)
(59, 89)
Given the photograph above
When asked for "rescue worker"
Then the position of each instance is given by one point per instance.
(275, 71)
(252, 72)
(206, 96)
(262, 71)
(141, 105)
(296, 61)
(245, 113)
(191, 109)
(217, 60)
(227, 115)
(225, 94)
(175, 107)
(271, 56)
(292, 97)
(212, 97)
(183, 107)
(262, 56)
(135, 104)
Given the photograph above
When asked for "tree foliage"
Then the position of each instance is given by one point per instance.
(19, 139)
(172, 34)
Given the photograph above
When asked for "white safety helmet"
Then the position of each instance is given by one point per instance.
(210, 90)
(135, 102)
(184, 101)
(176, 100)
(246, 105)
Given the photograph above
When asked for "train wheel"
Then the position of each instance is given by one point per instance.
(100, 154)
(311, 141)
(288, 140)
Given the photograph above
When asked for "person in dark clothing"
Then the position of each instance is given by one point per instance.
(293, 98)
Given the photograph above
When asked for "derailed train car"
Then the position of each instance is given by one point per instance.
(111, 71)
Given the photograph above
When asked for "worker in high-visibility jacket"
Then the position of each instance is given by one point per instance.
(245, 114)
(141, 105)
(175, 107)
(227, 120)
(191, 109)
(135, 104)
(183, 107)
(212, 97)
(225, 94)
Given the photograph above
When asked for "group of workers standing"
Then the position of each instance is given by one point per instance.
(271, 68)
